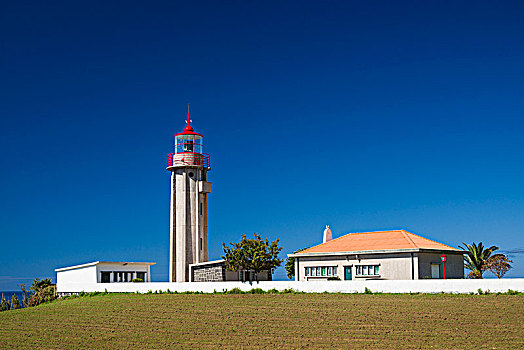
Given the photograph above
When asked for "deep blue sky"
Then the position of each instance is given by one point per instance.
(363, 115)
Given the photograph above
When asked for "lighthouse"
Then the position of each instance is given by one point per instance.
(188, 210)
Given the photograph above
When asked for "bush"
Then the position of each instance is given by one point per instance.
(333, 278)
(257, 291)
(137, 280)
(289, 291)
(15, 303)
(235, 290)
(367, 291)
(474, 275)
(4, 305)
(43, 291)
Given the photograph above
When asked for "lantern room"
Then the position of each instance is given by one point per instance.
(187, 141)
(188, 149)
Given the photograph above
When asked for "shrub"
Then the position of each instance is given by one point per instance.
(137, 280)
(235, 290)
(474, 275)
(257, 291)
(333, 278)
(4, 305)
(15, 303)
(367, 291)
(289, 291)
(43, 291)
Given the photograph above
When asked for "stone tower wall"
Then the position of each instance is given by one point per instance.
(188, 220)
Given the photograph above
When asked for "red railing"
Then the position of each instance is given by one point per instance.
(189, 158)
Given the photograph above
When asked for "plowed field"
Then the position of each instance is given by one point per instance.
(269, 321)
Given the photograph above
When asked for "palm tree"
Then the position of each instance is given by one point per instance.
(476, 256)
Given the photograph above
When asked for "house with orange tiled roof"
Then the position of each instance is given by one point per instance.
(387, 255)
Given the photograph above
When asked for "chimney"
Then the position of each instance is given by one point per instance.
(328, 236)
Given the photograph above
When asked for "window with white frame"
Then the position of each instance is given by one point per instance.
(321, 271)
(367, 270)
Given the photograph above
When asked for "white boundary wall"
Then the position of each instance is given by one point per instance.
(384, 286)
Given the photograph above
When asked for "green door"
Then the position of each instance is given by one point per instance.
(347, 273)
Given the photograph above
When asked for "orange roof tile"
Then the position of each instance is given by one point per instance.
(380, 240)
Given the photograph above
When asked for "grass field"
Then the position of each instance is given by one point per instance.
(269, 321)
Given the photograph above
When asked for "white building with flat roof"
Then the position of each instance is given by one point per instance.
(104, 272)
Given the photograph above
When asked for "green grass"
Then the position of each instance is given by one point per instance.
(269, 321)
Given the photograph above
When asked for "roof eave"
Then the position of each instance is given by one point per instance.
(377, 251)
(94, 263)
(208, 262)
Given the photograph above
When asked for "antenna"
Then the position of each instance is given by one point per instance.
(188, 120)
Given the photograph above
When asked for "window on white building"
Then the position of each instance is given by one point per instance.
(106, 277)
(316, 271)
(367, 270)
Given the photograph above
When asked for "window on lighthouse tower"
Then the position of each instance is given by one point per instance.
(188, 145)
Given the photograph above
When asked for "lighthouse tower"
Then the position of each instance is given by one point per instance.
(188, 213)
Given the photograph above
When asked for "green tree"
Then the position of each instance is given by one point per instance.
(43, 291)
(255, 254)
(4, 305)
(476, 257)
(15, 303)
(25, 296)
(290, 264)
(498, 264)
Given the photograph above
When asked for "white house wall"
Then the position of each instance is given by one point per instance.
(86, 274)
(397, 266)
